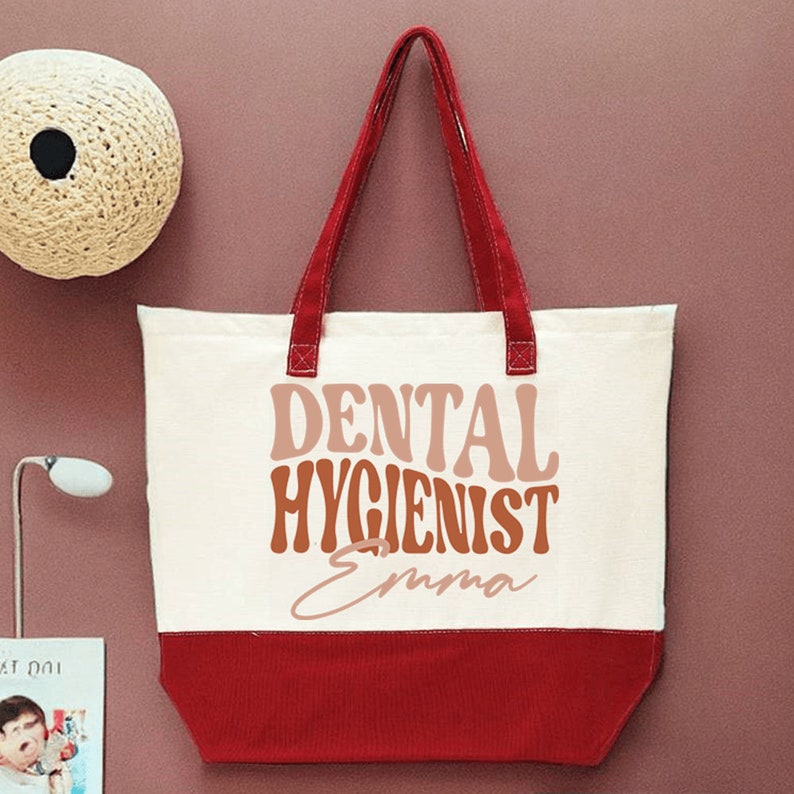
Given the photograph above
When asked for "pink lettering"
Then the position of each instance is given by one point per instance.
(411, 578)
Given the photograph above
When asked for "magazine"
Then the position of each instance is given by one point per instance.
(51, 715)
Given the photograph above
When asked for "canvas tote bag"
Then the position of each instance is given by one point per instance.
(407, 536)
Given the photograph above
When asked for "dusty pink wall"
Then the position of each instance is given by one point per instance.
(640, 152)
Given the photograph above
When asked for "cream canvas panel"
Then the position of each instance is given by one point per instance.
(561, 474)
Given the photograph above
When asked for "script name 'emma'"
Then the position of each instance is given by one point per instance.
(394, 502)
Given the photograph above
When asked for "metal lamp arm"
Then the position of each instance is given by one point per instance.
(18, 568)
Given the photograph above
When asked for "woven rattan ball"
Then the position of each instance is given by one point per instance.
(90, 162)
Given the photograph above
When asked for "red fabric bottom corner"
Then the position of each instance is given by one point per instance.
(288, 697)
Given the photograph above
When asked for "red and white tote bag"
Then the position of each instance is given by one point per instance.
(407, 536)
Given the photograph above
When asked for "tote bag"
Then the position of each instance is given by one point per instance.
(407, 536)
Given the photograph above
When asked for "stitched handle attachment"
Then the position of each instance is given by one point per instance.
(499, 283)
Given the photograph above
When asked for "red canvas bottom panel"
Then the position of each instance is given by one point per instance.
(546, 695)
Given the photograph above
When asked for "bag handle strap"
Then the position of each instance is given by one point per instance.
(455, 141)
(498, 279)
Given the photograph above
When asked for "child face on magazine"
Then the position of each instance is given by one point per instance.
(21, 741)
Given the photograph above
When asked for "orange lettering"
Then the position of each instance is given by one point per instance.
(543, 492)
(300, 504)
(507, 521)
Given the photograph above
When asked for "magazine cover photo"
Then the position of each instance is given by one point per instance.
(51, 716)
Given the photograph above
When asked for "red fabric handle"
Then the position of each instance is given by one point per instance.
(498, 280)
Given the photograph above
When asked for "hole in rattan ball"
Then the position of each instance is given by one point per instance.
(53, 153)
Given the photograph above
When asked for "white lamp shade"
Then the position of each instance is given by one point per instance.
(79, 477)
